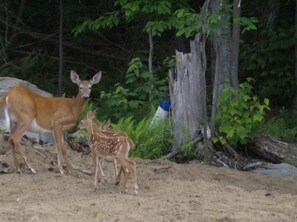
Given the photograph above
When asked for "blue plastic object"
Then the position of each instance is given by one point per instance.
(166, 105)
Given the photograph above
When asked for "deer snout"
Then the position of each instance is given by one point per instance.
(85, 97)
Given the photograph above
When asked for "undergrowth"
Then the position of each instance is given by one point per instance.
(150, 141)
(283, 126)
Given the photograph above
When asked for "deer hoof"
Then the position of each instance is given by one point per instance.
(94, 189)
(136, 192)
(32, 170)
(117, 181)
(125, 191)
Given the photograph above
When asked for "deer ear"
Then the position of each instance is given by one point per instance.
(74, 77)
(89, 114)
(96, 78)
(107, 124)
(97, 123)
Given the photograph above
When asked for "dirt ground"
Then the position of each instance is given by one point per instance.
(168, 192)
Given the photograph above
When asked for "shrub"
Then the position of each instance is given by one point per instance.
(239, 115)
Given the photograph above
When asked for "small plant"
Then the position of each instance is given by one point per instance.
(287, 160)
(283, 127)
(239, 115)
(150, 142)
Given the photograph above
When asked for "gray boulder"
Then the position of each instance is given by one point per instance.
(282, 169)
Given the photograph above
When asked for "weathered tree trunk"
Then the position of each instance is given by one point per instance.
(184, 101)
(188, 96)
(274, 150)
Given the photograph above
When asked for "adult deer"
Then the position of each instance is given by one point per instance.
(25, 110)
(116, 146)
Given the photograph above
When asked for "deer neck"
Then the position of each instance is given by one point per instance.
(78, 104)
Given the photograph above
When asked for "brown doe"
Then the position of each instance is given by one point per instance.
(25, 110)
(116, 146)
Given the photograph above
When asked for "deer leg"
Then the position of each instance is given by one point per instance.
(96, 173)
(12, 147)
(126, 172)
(60, 124)
(95, 167)
(15, 159)
(58, 140)
(102, 160)
(133, 170)
(130, 169)
(16, 140)
(118, 178)
(68, 164)
(115, 168)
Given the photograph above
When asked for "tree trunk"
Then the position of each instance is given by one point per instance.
(151, 53)
(235, 45)
(295, 95)
(188, 98)
(222, 48)
(60, 49)
(222, 45)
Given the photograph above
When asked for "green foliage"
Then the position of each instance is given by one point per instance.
(150, 142)
(247, 23)
(239, 115)
(162, 16)
(287, 160)
(189, 150)
(107, 21)
(283, 126)
(272, 63)
(140, 91)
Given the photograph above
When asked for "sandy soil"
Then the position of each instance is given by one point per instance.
(168, 192)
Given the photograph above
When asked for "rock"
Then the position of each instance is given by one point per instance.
(7, 82)
(282, 169)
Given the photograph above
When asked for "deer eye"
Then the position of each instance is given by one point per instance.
(80, 87)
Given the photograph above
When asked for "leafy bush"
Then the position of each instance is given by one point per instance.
(150, 142)
(239, 115)
(140, 91)
(283, 127)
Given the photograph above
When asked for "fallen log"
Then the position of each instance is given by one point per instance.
(274, 150)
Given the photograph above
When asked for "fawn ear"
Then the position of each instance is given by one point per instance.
(107, 124)
(74, 77)
(97, 123)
